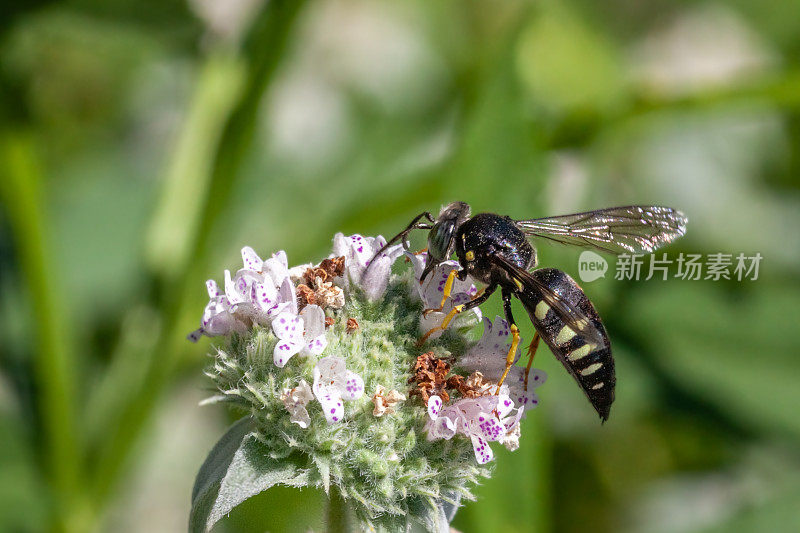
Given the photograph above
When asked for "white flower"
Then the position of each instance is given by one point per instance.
(218, 318)
(358, 252)
(333, 383)
(303, 333)
(483, 419)
(255, 294)
(488, 356)
(431, 292)
(295, 401)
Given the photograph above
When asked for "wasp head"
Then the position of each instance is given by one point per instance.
(441, 240)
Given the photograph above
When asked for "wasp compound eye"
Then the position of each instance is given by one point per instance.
(439, 240)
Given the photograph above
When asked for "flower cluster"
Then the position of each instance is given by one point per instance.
(264, 293)
(254, 295)
(301, 345)
(488, 418)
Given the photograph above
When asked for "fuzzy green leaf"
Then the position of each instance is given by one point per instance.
(238, 468)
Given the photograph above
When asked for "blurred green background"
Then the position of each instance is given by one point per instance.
(143, 143)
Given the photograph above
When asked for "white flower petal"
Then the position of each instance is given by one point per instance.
(276, 268)
(329, 373)
(432, 289)
(488, 427)
(512, 422)
(332, 405)
(504, 405)
(285, 350)
(340, 245)
(314, 318)
(212, 288)
(251, 259)
(483, 453)
(230, 289)
(317, 346)
(434, 406)
(353, 387)
(288, 295)
(488, 355)
(444, 427)
(417, 262)
(265, 295)
(375, 279)
(299, 395)
(288, 326)
(511, 439)
(299, 415)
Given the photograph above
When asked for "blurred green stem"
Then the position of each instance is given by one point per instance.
(263, 52)
(54, 363)
(174, 224)
(336, 515)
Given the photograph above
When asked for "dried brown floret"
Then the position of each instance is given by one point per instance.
(328, 321)
(321, 293)
(326, 270)
(472, 387)
(352, 325)
(430, 377)
(385, 401)
(305, 296)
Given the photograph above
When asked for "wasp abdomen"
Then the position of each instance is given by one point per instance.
(591, 364)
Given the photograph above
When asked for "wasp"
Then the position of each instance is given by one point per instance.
(497, 251)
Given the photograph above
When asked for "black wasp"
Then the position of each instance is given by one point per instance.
(495, 250)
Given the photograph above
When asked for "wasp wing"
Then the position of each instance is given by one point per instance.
(631, 229)
(569, 314)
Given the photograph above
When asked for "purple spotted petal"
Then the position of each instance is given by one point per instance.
(332, 406)
(265, 295)
(444, 427)
(284, 351)
(488, 427)
(317, 346)
(251, 259)
(288, 326)
(483, 453)
(212, 288)
(434, 407)
(353, 387)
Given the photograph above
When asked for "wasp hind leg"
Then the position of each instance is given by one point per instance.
(531, 353)
(514, 337)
